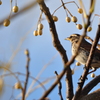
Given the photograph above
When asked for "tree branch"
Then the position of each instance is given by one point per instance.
(60, 49)
(92, 96)
(85, 73)
(90, 86)
(59, 87)
(78, 91)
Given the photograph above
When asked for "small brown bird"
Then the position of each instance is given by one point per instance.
(84, 51)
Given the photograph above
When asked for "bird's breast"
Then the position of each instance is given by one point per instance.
(82, 55)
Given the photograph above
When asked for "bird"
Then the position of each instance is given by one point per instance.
(83, 51)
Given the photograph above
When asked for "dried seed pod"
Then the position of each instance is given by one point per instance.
(79, 26)
(92, 75)
(80, 10)
(35, 33)
(26, 52)
(89, 29)
(15, 9)
(1, 84)
(18, 85)
(78, 64)
(74, 19)
(55, 18)
(0, 2)
(39, 32)
(72, 71)
(6, 22)
(68, 19)
(40, 26)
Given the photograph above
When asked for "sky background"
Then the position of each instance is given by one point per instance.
(42, 52)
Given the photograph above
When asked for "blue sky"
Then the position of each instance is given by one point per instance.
(41, 48)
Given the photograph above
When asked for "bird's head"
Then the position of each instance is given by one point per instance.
(73, 37)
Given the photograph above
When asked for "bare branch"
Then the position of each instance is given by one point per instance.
(59, 87)
(78, 91)
(90, 86)
(92, 96)
(27, 74)
(60, 49)
(83, 78)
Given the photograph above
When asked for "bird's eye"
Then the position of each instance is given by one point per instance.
(70, 36)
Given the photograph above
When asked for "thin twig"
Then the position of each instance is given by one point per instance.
(59, 87)
(64, 4)
(27, 75)
(21, 11)
(18, 73)
(66, 8)
(39, 74)
(11, 73)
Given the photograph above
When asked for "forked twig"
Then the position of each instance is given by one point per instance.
(59, 87)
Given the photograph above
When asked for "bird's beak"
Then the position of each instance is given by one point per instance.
(68, 38)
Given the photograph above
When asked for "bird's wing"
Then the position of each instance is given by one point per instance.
(87, 46)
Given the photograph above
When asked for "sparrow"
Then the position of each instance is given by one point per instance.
(84, 51)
